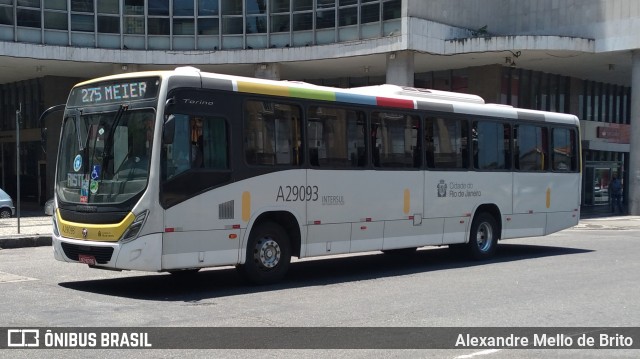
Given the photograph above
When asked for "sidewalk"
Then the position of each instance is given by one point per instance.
(35, 230)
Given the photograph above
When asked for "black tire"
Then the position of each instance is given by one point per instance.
(268, 254)
(5, 213)
(483, 238)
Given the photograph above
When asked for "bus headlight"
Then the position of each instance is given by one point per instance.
(134, 229)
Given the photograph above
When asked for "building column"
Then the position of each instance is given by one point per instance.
(267, 71)
(400, 69)
(634, 154)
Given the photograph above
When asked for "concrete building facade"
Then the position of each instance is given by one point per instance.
(574, 56)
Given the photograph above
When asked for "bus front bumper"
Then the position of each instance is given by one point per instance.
(143, 253)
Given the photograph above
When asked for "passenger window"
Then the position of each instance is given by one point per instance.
(446, 143)
(564, 150)
(531, 148)
(272, 133)
(336, 137)
(491, 145)
(199, 142)
(394, 140)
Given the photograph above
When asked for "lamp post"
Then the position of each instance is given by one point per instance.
(18, 118)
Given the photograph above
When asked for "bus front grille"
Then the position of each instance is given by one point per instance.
(102, 254)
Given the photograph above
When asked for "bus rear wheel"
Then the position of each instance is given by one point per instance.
(268, 254)
(483, 238)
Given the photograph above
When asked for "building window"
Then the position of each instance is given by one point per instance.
(28, 3)
(82, 5)
(183, 26)
(348, 16)
(302, 5)
(303, 21)
(82, 23)
(158, 8)
(108, 24)
(391, 9)
(208, 7)
(158, 25)
(28, 18)
(134, 25)
(256, 24)
(325, 19)
(55, 20)
(208, 26)
(369, 13)
(6, 15)
(232, 25)
(183, 8)
(134, 7)
(231, 7)
(109, 7)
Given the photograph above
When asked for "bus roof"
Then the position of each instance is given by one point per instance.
(381, 95)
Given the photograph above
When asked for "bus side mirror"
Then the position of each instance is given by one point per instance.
(43, 131)
(169, 130)
(43, 139)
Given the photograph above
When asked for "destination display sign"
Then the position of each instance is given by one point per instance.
(123, 90)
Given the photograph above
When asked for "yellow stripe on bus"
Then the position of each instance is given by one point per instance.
(94, 232)
(246, 206)
(407, 201)
(264, 89)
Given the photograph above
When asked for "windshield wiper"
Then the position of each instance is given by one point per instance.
(75, 115)
(109, 140)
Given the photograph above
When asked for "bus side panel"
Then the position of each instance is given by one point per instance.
(454, 195)
(529, 205)
(365, 199)
(366, 236)
(195, 236)
(563, 200)
(200, 249)
(340, 198)
(326, 239)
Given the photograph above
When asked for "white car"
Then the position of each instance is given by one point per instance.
(7, 210)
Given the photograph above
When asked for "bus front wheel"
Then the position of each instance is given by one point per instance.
(483, 238)
(268, 254)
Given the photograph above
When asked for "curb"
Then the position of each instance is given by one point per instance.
(36, 240)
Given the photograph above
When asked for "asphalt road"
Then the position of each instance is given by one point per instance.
(583, 277)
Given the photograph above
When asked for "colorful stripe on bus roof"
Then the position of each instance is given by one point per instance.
(322, 95)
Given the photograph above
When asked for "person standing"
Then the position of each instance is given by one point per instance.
(615, 189)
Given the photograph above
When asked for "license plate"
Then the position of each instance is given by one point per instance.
(87, 259)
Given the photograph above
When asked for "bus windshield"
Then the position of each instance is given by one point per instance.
(104, 157)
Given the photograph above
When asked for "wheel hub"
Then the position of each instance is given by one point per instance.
(268, 253)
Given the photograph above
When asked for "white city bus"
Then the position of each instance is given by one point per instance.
(174, 171)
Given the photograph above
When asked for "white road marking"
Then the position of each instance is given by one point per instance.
(483, 352)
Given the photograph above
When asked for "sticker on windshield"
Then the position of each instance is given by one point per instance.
(77, 163)
(84, 191)
(95, 172)
(93, 187)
